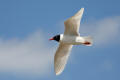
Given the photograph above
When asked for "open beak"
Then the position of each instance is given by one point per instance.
(51, 39)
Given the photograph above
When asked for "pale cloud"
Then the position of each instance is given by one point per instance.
(31, 55)
(104, 31)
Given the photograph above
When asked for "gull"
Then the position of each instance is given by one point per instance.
(66, 41)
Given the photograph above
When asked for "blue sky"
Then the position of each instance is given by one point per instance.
(26, 26)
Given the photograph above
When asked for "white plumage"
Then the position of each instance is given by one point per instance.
(70, 37)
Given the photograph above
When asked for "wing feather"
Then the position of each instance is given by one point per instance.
(72, 24)
(61, 57)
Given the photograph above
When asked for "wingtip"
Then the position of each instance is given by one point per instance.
(58, 73)
(80, 12)
(82, 9)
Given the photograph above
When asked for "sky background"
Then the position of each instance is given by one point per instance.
(26, 26)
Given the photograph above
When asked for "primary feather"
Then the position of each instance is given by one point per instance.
(72, 24)
(61, 57)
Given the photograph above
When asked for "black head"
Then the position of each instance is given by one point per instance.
(56, 38)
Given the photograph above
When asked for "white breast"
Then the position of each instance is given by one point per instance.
(74, 40)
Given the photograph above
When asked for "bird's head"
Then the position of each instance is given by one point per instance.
(56, 38)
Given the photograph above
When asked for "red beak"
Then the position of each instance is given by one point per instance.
(51, 39)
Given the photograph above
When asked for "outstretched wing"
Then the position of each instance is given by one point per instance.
(72, 24)
(61, 57)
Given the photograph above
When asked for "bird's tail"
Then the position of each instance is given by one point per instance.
(88, 41)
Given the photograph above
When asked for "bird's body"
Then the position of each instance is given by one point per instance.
(72, 40)
(70, 37)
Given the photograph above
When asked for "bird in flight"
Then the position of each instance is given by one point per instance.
(66, 41)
